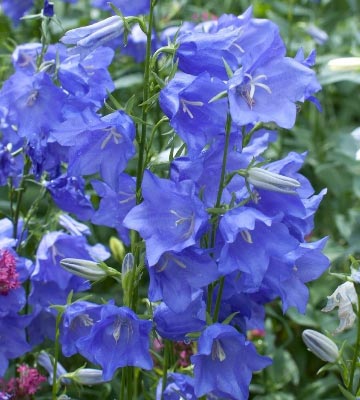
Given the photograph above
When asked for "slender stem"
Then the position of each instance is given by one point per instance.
(56, 356)
(131, 381)
(123, 384)
(224, 162)
(128, 372)
(167, 350)
(20, 192)
(218, 299)
(146, 95)
(357, 345)
(216, 221)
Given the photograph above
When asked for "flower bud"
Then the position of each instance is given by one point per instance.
(126, 268)
(48, 363)
(264, 179)
(117, 248)
(345, 64)
(128, 263)
(86, 376)
(319, 344)
(87, 269)
(88, 38)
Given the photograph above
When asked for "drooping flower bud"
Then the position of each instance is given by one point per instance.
(345, 64)
(264, 179)
(319, 344)
(46, 362)
(88, 269)
(86, 376)
(48, 10)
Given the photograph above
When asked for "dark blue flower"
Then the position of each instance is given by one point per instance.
(48, 10)
(34, 103)
(9, 166)
(206, 47)
(13, 342)
(236, 40)
(288, 277)
(204, 168)
(177, 385)
(176, 325)
(174, 226)
(77, 321)
(268, 90)
(185, 100)
(103, 145)
(251, 240)
(88, 78)
(51, 284)
(125, 6)
(68, 193)
(117, 199)
(117, 340)
(181, 273)
(225, 362)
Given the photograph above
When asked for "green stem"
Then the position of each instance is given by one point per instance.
(146, 95)
(224, 162)
(357, 346)
(123, 384)
(167, 355)
(128, 372)
(131, 381)
(56, 356)
(20, 192)
(216, 221)
(218, 299)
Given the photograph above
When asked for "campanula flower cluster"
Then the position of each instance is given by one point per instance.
(216, 235)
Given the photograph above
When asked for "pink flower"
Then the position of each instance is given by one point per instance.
(26, 384)
(9, 277)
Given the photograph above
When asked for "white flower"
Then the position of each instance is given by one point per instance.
(343, 297)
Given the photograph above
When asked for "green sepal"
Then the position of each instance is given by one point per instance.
(219, 96)
(230, 318)
(228, 69)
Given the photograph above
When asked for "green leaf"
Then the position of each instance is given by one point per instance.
(346, 393)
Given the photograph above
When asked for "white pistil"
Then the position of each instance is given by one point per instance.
(181, 220)
(247, 90)
(217, 351)
(113, 134)
(185, 107)
(32, 98)
(246, 235)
